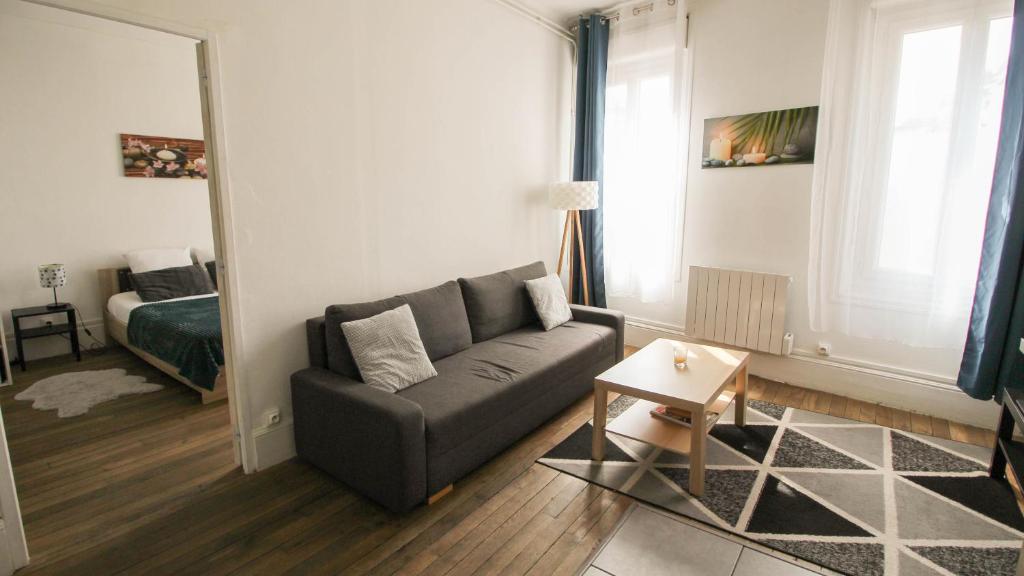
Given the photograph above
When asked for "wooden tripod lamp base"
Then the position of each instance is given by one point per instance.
(573, 229)
(573, 197)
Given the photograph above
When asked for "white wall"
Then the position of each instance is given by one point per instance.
(754, 56)
(751, 56)
(374, 148)
(71, 85)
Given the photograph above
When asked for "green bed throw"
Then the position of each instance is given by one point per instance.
(183, 333)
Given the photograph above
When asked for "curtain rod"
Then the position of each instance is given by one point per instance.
(615, 14)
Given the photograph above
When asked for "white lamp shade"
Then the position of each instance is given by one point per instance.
(573, 195)
(52, 276)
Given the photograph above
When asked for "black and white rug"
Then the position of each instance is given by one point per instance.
(854, 497)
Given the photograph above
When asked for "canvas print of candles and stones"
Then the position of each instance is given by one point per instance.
(764, 138)
(159, 157)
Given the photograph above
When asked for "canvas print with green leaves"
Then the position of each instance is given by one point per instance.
(761, 139)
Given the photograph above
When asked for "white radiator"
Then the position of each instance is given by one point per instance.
(743, 309)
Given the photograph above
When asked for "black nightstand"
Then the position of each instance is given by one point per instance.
(70, 328)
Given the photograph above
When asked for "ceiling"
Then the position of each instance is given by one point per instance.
(563, 11)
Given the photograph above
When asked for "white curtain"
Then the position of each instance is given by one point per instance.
(645, 149)
(910, 107)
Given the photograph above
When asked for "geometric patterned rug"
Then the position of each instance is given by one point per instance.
(858, 498)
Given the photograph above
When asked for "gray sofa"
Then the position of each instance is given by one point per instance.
(499, 376)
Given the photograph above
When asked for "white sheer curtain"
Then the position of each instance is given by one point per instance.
(910, 107)
(645, 153)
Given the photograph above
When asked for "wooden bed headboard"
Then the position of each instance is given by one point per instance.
(113, 281)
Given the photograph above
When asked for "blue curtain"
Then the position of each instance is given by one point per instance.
(588, 158)
(992, 359)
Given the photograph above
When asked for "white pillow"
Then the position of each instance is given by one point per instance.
(158, 258)
(388, 350)
(549, 300)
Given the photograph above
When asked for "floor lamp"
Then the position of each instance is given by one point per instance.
(573, 197)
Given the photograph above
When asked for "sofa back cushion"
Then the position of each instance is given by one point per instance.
(499, 303)
(440, 317)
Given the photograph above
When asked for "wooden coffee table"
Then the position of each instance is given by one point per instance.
(702, 387)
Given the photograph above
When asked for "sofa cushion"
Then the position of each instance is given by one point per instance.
(479, 386)
(440, 318)
(339, 357)
(549, 301)
(498, 303)
(388, 350)
(454, 464)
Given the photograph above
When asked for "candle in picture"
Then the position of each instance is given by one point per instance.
(721, 148)
(166, 155)
(754, 157)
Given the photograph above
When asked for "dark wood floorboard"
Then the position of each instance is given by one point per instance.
(147, 485)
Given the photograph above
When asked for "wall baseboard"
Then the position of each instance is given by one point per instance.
(274, 444)
(874, 384)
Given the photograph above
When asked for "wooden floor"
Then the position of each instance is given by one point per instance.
(147, 485)
(825, 403)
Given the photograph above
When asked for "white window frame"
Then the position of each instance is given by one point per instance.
(893, 20)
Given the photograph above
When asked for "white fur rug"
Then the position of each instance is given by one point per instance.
(73, 393)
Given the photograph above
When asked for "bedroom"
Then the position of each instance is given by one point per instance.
(109, 230)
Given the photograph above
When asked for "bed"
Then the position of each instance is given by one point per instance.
(180, 337)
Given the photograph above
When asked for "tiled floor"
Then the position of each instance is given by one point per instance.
(653, 543)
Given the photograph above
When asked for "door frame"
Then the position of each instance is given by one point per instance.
(12, 535)
(224, 231)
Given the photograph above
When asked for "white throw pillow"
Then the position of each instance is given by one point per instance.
(158, 258)
(388, 350)
(549, 300)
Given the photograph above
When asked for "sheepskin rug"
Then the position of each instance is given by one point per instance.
(73, 393)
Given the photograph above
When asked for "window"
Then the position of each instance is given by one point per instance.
(903, 205)
(643, 155)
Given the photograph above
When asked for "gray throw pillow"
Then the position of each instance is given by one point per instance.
(549, 300)
(159, 285)
(388, 350)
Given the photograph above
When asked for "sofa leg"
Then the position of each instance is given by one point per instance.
(435, 497)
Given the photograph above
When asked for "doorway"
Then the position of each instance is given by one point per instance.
(86, 474)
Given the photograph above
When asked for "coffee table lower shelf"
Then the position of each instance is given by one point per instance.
(638, 424)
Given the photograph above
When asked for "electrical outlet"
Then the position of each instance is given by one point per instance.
(273, 417)
(824, 349)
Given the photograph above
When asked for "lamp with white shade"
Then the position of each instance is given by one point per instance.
(573, 197)
(53, 276)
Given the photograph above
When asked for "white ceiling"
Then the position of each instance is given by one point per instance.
(564, 11)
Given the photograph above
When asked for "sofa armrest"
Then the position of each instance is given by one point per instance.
(373, 441)
(611, 318)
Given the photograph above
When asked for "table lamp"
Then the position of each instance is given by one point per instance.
(53, 276)
(573, 197)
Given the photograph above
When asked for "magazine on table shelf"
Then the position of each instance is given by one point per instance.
(678, 416)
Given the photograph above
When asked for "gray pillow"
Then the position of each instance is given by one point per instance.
(498, 303)
(549, 301)
(170, 283)
(339, 357)
(211, 267)
(388, 350)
